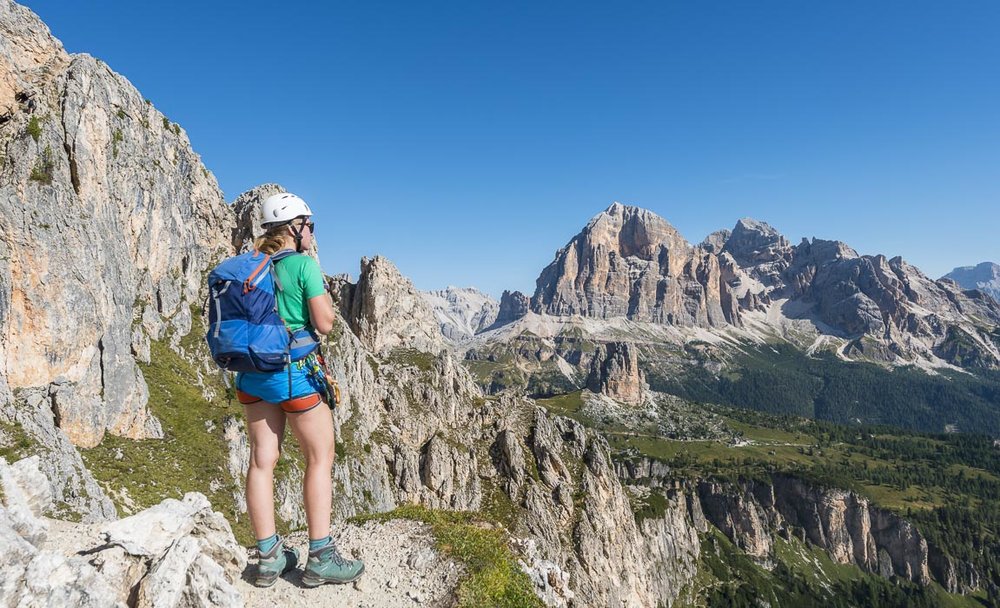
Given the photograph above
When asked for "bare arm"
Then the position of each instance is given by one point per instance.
(321, 314)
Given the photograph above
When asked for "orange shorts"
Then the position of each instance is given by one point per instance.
(292, 406)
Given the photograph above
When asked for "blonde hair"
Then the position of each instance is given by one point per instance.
(271, 241)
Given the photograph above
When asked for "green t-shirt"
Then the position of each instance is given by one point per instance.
(301, 279)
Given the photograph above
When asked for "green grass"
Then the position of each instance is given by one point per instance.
(34, 128)
(564, 405)
(652, 506)
(18, 445)
(411, 357)
(192, 454)
(115, 139)
(492, 577)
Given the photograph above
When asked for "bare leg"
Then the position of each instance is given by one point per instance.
(265, 427)
(314, 430)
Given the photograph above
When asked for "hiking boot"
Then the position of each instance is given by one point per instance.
(326, 565)
(274, 563)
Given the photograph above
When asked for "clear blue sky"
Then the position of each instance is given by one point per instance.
(468, 141)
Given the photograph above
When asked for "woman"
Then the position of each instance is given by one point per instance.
(293, 396)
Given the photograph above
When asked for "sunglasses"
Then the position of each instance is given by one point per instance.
(310, 225)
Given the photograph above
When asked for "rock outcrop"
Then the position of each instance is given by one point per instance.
(611, 558)
(387, 312)
(177, 554)
(628, 262)
(513, 306)
(615, 372)
(847, 526)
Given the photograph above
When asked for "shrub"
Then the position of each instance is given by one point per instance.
(117, 137)
(42, 171)
(35, 128)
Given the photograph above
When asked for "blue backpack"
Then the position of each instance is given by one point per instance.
(245, 331)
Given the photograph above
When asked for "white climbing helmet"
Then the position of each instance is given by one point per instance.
(282, 208)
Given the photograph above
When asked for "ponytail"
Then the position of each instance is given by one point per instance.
(271, 241)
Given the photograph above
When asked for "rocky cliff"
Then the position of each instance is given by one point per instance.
(513, 306)
(108, 221)
(629, 262)
(848, 527)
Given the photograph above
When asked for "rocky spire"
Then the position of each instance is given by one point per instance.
(615, 373)
(513, 306)
(385, 311)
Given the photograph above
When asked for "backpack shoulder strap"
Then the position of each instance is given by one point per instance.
(252, 280)
(277, 257)
(284, 253)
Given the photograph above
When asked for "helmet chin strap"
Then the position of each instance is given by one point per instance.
(297, 233)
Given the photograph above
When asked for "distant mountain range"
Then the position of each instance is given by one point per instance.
(751, 283)
(984, 277)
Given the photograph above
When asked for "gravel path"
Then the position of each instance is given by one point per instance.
(402, 570)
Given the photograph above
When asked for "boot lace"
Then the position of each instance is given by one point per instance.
(332, 553)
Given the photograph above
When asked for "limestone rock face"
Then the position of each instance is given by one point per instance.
(31, 56)
(847, 526)
(616, 373)
(611, 559)
(386, 311)
(462, 313)
(895, 304)
(191, 557)
(629, 262)
(752, 243)
(68, 478)
(103, 202)
(26, 496)
(30, 575)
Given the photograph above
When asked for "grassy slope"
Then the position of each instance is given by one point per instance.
(780, 379)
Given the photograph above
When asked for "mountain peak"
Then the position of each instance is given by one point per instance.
(631, 231)
(629, 262)
(984, 276)
(748, 224)
(754, 242)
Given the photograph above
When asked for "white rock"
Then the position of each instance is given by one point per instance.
(26, 476)
(207, 586)
(121, 570)
(421, 559)
(164, 585)
(151, 532)
(52, 579)
(25, 497)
